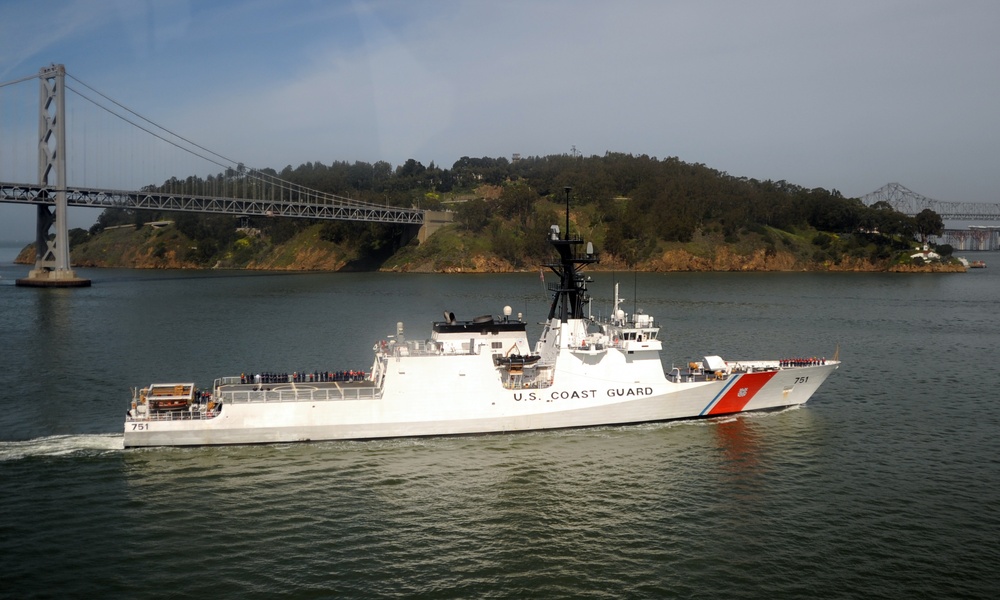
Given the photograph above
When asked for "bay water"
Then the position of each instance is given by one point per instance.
(886, 484)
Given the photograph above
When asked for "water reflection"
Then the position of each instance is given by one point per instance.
(739, 441)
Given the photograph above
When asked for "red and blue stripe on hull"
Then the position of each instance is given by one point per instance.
(736, 394)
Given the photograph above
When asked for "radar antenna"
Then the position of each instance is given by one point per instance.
(570, 294)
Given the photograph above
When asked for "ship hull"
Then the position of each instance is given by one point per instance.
(461, 408)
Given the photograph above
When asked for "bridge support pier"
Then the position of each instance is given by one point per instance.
(433, 220)
(52, 267)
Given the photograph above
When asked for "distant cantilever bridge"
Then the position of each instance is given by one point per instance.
(975, 237)
(911, 203)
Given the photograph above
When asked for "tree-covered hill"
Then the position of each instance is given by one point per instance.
(641, 212)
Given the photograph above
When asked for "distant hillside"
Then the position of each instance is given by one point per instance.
(454, 251)
(640, 212)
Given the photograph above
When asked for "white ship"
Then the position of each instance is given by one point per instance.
(479, 376)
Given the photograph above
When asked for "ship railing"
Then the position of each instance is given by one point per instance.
(300, 395)
(175, 415)
(678, 376)
(527, 385)
(749, 366)
(433, 349)
(701, 374)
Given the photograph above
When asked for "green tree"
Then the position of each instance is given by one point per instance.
(474, 215)
(516, 201)
(112, 217)
(928, 223)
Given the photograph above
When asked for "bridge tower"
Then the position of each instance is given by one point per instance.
(52, 268)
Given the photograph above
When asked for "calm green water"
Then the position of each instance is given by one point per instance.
(885, 485)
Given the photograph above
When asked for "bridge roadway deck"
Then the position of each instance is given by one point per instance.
(20, 193)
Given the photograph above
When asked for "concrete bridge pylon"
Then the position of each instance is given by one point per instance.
(52, 267)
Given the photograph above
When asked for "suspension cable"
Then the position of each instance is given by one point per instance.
(229, 163)
(29, 77)
(158, 126)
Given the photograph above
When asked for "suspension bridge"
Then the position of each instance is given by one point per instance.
(65, 178)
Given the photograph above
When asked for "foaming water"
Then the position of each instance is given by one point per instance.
(62, 445)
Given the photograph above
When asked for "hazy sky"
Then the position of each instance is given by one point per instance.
(848, 95)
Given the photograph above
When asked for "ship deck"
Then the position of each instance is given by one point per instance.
(297, 391)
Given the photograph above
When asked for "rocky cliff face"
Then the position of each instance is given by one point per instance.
(137, 249)
(929, 268)
(724, 259)
(300, 259)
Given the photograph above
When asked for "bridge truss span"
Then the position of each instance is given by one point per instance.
(307, 209)
(910, 203)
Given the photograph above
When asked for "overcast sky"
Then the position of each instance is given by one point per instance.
(848, 95)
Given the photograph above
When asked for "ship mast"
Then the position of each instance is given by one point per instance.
(570, 294)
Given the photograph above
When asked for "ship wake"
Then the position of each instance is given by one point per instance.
(62, 445)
